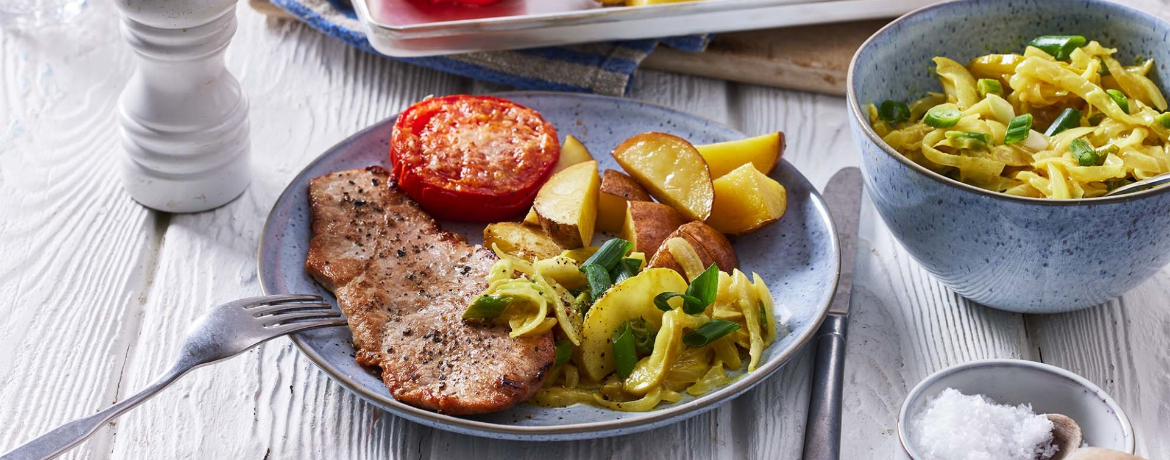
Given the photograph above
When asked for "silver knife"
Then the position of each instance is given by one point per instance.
(822, 436)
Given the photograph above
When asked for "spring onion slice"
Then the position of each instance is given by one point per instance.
(1059, 46)
(487, 306)
(709, 332)
(1018, 129)
(1104, 152)
(622, 271)
(703, 287)
(609, 254)
(989, 86)
(1083, 152)
(968, 139)
(598, 279)
(943, 116)
(564, 349)
(700, 294)
(625, 355)
(1119, 98)
(1068, 118)
(644, 336)
(1163, 119)
(660, 300)
(894, 111)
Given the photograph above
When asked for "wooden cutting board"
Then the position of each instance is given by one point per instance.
(807, 58)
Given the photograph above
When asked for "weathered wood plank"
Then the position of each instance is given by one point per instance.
(76, 250)
(1121, 346)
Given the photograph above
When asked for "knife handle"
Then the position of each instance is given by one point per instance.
(822, 438)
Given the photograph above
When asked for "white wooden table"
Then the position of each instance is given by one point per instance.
(96, 291)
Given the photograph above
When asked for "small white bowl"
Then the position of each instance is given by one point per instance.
(1011, 381)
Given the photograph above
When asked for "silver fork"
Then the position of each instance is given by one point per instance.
(223, 332)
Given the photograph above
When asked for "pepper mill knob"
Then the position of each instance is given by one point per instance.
(184, 117)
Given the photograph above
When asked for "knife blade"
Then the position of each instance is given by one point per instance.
(822, 439)
(843, 195)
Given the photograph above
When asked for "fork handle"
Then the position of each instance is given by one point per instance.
(55, 442)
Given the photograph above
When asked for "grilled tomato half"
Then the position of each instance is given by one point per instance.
(472, 158)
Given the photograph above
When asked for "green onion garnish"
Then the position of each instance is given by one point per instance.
(700, 294)
(1069, 118)
(1119, 98)
(625, 269)
(1104, 152)
(1096, 119)
(564, 350)
(894, 111)
(661, 298)
(1018, 129)
(1163, 119)
(625, 355)
(968, 139)
(609, 254)
(487, 306)
(709, 332)
(1083, 151)
(943, 116)
(703, 287)
(583, 302)
(989, 86)
(1059, 46)
(598, 279)
(643, 336)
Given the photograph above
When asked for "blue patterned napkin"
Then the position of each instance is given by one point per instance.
(603, 68)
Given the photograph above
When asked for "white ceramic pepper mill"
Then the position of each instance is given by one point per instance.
(184, 117)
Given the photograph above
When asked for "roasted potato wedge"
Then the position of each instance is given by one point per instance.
(761, 151)
(567, 205)
(672, 171)
(746, 200)
(630, 299)
(710, 246)
(521, 240)
(617, 189)
(572, 152)
(647, 224)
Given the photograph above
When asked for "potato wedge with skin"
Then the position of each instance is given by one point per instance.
(746, 200)
(670, 169)
(630, 299)
(710, 245)
(572, 152)
(521, 240)
(567, 205)
(647, 224)
(763, 152)
(617, 189)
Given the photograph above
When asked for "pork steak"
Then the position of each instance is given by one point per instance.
(403, 284)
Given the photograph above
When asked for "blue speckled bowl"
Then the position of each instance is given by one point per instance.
(798, 257)
(1019, 254)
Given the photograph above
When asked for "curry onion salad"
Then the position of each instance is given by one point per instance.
(631, 337)
(1063, 120)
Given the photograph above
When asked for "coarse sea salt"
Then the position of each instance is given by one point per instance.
(956, 426)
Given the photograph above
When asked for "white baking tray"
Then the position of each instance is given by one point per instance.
(409, 28)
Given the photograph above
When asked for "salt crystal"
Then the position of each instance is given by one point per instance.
(961, 427)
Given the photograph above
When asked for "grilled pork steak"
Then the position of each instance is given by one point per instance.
(405, 302)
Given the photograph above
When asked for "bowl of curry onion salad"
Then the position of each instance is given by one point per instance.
(1062, 119)
(990, 132)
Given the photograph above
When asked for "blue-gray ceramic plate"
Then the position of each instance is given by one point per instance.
(797, 257)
